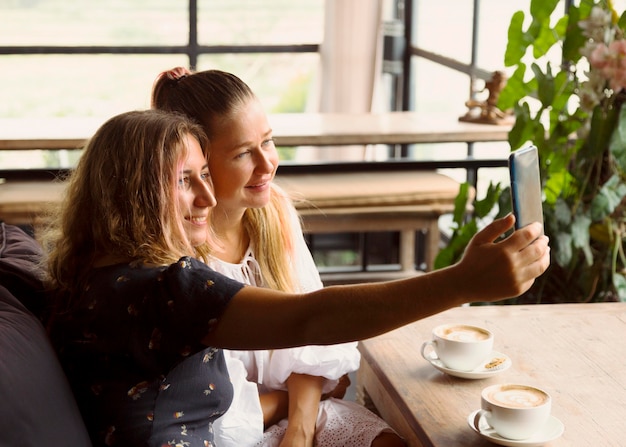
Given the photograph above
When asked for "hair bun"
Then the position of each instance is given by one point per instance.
(177, 73)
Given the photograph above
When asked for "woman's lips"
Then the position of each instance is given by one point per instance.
(260, 185)
(197, 220)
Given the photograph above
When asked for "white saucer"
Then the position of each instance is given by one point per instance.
(553, 429)
(481, 372)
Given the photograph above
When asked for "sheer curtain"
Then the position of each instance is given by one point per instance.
(351, 61)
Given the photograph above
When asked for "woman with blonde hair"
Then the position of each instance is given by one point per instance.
(138, 319)
(260, 242)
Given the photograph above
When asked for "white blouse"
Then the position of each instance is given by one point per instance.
(269, 369)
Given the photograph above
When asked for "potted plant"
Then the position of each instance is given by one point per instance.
(573, 113)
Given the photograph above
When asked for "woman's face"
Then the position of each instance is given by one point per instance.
(243, 159)
(195, 194)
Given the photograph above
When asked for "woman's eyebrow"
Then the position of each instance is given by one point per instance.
(189, 170)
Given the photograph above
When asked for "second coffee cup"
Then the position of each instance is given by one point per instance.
(459, 346)
(514, 411)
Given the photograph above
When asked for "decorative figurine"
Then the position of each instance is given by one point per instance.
(487, 112)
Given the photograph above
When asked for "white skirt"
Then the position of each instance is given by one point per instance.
(340, 423)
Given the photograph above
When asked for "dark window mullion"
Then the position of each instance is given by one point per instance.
(193, 34)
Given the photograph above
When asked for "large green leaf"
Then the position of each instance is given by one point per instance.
(514, 90)
(543, 9)
(524, 128)
(545, 85)
(618, 141)
(539, 137)
(547, 38)
(622, 22)
(562, 213)
(558, 185)
(574, 38)
(504, 202)
(563, 254)
(619, 282)
(603, 122)
(517, 40)
(580, 236)
(483, 207)
(564, 88)
(608, 198)
(562, 126)
(460, 204)
(455, 248)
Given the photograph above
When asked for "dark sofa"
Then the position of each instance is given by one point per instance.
(37, 407)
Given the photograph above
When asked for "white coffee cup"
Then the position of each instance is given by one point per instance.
(459, 346)
(514, 411)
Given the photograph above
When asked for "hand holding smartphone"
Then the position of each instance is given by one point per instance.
(525, 186)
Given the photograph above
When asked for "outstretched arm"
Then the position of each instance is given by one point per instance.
(490, 270)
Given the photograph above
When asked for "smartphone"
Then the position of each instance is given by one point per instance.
(525, 186)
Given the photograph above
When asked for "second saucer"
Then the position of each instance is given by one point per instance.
(494, 364)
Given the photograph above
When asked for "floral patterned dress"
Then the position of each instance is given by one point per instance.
(131, 349)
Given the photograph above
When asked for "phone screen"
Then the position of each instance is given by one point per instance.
(525, 186)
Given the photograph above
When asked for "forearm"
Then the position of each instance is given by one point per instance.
(331, 315)
(304, 398)
(275, 406)
(382, 307)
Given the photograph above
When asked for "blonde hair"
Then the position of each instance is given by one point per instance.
(269, 229)
(209, 97)
(122, 200)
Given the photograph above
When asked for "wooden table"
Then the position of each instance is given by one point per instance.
(576, 352)
(290, 129)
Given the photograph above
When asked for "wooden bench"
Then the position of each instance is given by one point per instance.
(406, 201)
(26, 203)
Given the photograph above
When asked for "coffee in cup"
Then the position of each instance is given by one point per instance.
(514, 411)
(459, 346)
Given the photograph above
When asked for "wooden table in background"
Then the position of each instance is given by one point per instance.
(290, 129)
(576, 352)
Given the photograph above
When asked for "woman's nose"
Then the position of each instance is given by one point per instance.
(204, 195)
(266, 161)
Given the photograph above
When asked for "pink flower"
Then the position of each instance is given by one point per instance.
(611, 62)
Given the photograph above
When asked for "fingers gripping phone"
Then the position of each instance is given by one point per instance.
(525, 186)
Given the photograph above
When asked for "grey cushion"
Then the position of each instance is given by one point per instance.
(20, 269)
(37, 406)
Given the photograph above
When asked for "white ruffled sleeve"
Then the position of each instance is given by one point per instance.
(330, 362)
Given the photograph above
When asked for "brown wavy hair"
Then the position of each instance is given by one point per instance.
(210, 97)
(121, 199)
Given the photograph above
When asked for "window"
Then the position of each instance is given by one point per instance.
(91, 60)
(148, 37)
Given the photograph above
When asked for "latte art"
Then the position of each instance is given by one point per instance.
(517, 397)
(459, 346)
(464, 333)
(514, 411)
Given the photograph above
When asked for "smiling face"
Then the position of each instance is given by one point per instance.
(243, 160)
(195, 195)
